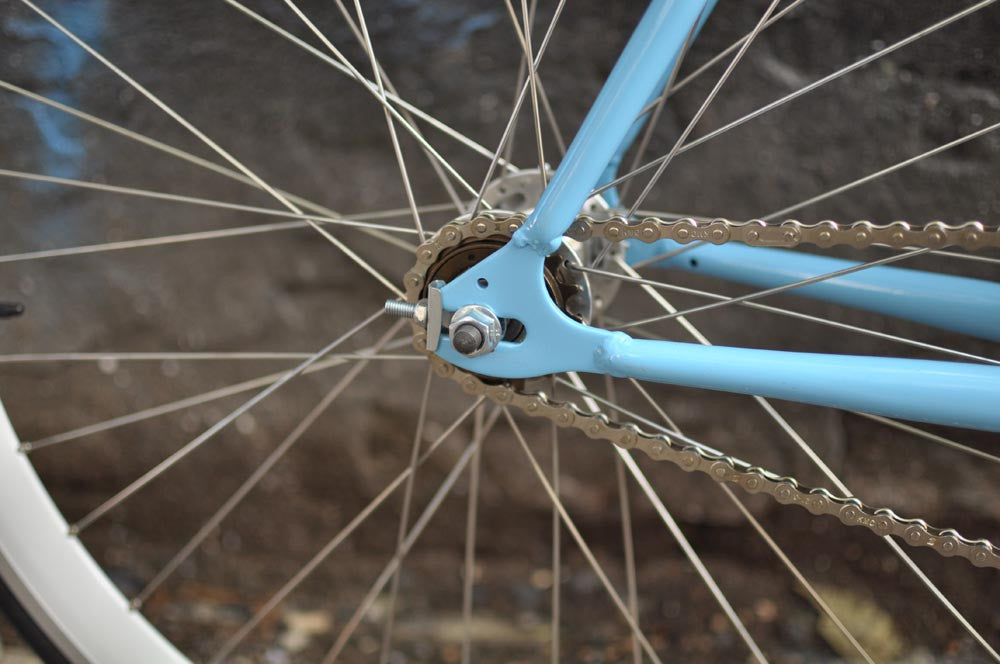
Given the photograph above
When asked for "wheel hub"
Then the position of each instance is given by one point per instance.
(570, 289)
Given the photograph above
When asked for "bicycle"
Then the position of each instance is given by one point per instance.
(511, 299)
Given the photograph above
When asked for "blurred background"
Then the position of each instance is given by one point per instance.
(310, 130)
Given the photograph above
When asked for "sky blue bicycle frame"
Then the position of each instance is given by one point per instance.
(510, 282)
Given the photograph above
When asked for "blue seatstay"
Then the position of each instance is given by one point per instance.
(511, 283)
(960, 304)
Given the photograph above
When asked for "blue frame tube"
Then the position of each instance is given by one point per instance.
(611, 169)
(650, 52)
(960, 304)
(950, 393)
(511, 283)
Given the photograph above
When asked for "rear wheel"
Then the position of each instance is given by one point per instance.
(116, 549)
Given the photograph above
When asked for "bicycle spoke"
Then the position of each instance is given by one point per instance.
(399, 212)
(180, 238)
(704, 107)
(551, 119)
(180, 198)
(657, 108)
(816, 319)
(197, 442)
(404, 517)
(584, 548)
(556, 546)
(546, 105)
(669, 254)
(198, 236)
(718, 57)
(345, 532)
(543, 96)
(215, 147)
(258, 474)
(648, 134)
(885, 171)
(795, 572)
(346, 69)
(181, 154)
(777, 289)
(381, 95)
(438, 170)
(798, 93)
(672, 428)
(418, 528)
(630, 580)
(927, 435)
(628, 542)
(778, 419)
(896, 548)
(524, 39)
(677, 534)
(184, 357)
(471, 526)
(689, 551)
(534, 82)
(143, 357)
(966, 257)
(163, 240)
(532, 70)
(400, 162)
(590, 398)
(654, 405)
(522, 71)
(343, 64)
(673, 215)
(415, 221)
(776, 310)
(331, 361)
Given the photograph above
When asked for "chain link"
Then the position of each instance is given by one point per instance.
(662, 447)
(971, 235)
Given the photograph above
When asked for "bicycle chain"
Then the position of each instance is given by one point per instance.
(691, 458)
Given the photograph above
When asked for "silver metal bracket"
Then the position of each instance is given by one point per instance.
(435, 314)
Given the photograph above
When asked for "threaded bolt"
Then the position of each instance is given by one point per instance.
(400, 309)
(403, 309)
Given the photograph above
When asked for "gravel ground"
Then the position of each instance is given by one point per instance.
(312, 131)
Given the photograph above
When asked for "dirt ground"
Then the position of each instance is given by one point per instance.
(310, 130)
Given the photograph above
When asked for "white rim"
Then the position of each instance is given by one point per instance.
(55, 579)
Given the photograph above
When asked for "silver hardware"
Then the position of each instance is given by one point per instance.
(475, 330)
(404, 309)
(435, 314)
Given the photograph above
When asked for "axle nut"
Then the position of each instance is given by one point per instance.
(475, 330)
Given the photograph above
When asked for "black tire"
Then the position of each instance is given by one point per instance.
(29, 629)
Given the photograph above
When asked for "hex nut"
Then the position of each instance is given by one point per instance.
(475, 330)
